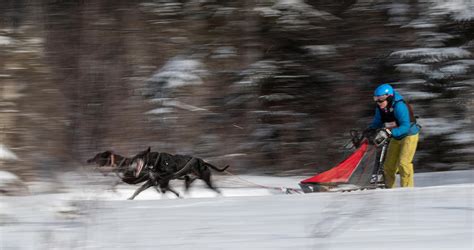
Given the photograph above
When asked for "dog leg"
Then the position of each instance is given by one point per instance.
(164, 186)
(140, 189)
(174, 192)
(160, 190)
(214, 188)
(171, 190)
(187, 182)
(207, 180)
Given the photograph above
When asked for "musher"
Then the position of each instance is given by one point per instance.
(394, 118)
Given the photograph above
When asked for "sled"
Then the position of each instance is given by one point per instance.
(359, 171)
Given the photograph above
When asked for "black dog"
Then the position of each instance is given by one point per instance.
(122, 166)
(166, 166)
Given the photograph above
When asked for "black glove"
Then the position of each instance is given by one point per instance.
(382, 136)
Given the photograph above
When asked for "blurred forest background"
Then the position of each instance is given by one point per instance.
(267, 86)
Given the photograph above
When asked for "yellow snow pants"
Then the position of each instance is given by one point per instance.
(399, 159)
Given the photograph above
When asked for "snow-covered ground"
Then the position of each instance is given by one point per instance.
(437, 214)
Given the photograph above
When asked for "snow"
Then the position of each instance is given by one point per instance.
(462, 137)
(159, 111)
(303, 8)
(6, 154)
(437, 54)
(465, 62)
(171, 105)
(277, 97)
(412, 95)
(224, 52)
(442, 73)
(268, 12)
(455, 69)
(321, 50)
(437, 214)
(461, 10)
(293, 14)
(179, 72)
(7, 176)
(438, 126)
(413, 68)
(257, 72)
(11, 184)
(435, 35)
(5, 40)
(176, 104)
(420, 24)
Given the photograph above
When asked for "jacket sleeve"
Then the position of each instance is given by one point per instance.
(377, 121)
(403, 117)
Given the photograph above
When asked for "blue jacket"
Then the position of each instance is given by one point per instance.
(402, 116)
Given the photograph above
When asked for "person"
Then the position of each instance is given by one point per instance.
(394, 118)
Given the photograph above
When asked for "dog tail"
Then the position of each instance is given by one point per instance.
(216, 168)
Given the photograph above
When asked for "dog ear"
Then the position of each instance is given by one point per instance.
(148, 150)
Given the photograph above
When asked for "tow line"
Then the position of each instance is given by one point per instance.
(285, 190)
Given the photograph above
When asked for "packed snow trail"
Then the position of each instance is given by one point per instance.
(437, 217)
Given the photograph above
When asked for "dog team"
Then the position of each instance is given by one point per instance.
(156, 169)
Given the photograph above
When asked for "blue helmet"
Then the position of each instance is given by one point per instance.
(384, 89)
